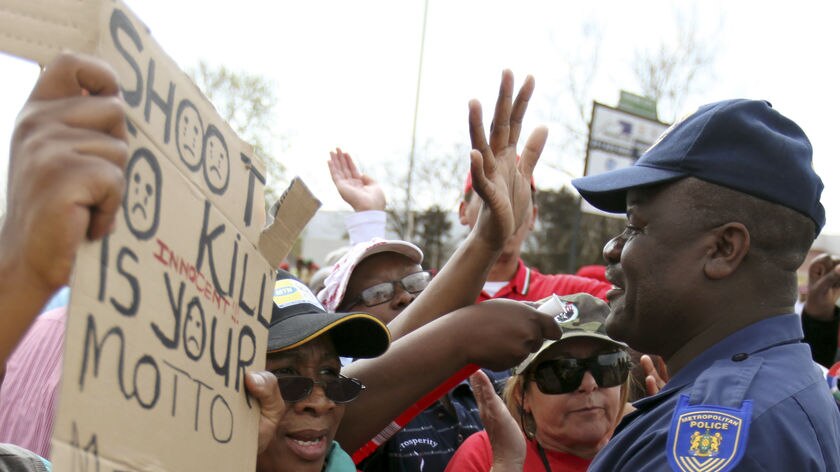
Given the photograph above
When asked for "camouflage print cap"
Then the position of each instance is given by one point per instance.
(578, 315)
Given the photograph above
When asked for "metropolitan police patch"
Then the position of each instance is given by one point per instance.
(707, 438)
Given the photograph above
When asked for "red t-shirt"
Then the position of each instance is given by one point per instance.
(530, 285)
(476, 455)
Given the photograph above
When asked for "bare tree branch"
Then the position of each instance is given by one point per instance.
(671, 72)
(246, 101)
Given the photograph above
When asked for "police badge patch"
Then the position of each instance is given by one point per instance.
(707, 438)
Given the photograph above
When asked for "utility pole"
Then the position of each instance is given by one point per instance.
(409, 233)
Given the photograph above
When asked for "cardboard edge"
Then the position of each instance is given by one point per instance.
(288, 215)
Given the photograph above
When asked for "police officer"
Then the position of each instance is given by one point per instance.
(720, 213)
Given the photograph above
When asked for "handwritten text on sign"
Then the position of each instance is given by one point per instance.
(169, 312)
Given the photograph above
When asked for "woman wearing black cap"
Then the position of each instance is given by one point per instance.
(304, 346)
(566, 398)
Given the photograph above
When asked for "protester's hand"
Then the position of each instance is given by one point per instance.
(501, 333)
(653, 381)
(503, 184)
(65, 183)
(359, 190)
(506, 439)
(263, 387)
(823, 287)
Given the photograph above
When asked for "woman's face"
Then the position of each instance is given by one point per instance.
(307, 429)
(579, 422)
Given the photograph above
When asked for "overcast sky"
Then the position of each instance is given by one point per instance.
(346, 72)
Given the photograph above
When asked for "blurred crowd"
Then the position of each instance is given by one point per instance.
(690, 348)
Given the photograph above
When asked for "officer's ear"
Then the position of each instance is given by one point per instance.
(535, 213)
(463, 207)
(462, 213)
(729, 244)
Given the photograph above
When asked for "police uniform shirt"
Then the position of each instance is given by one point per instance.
(754, 401)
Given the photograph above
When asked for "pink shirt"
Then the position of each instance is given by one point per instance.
(29, 394)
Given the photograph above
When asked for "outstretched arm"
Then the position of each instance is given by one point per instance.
(357, 189)
(363, 194)
(496, 334)
(68, 155)
(503, 184)
(506, 439)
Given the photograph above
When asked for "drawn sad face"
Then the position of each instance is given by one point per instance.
(141, 204)
(216, 160)
(195, 330)
(189, 135)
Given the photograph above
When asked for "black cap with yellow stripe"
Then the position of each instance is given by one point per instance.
(297, 318)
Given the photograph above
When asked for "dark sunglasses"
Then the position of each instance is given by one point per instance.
(385, 292)
(340, 389)
(565, 374)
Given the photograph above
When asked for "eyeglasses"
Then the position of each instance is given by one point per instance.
(565, 374)
(385, 291)
(340, 389)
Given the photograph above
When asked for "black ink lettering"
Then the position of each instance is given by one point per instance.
(233, 261)
(213, 416)
(83, 453)
(147, 360)
(164, 105)
(120, 22)
(171, 342)
(91, 343)
(103, 268)
(143, 193)
(205, 244)
(189, 135)
(253, 174)
(216, 160)
(260, 315)
(242, 362)
(198, 402)
(132, 130)
(243, 305)
(174, 390)
(131, 309)
(221, 369)
(199, 385)
(195, 337)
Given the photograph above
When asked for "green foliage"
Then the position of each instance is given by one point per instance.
(436, 183)
(433, 226)
(550, 247)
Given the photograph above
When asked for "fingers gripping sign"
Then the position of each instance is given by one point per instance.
(65, 183)
(69, 138)
(70, 75)
(499, 178)
(262, 385)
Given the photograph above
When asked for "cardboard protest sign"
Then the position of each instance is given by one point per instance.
(168, 312)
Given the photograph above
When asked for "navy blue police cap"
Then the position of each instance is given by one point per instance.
(744, 145)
